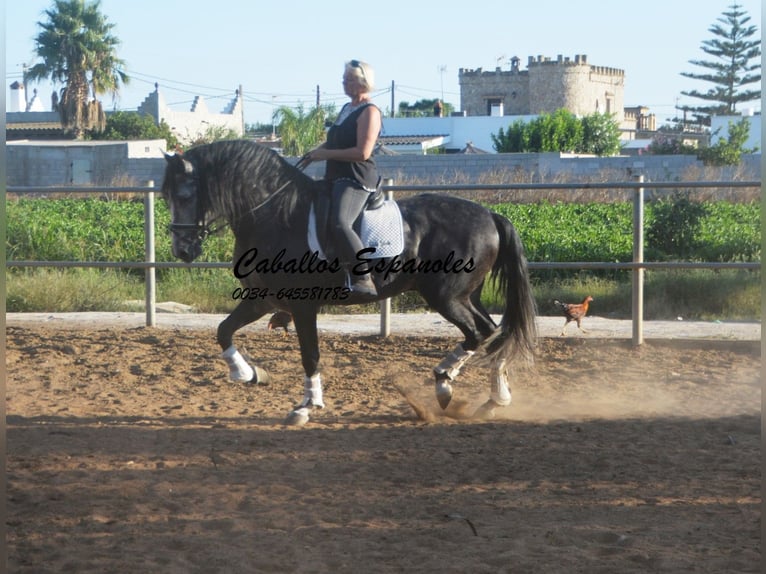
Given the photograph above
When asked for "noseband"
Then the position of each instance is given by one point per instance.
(202, 227)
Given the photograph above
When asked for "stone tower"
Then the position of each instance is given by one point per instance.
(544, 87)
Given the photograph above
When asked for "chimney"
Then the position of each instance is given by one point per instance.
(18, 101)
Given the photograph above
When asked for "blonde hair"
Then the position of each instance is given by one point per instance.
(363, 71)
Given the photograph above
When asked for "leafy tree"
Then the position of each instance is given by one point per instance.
(423, 109)
(299, 130)
(214, 133)
(736, 64)
(561, 131)
(77, 49)
(664, 144)
(674, 229)
(134, 126)
(601, 134)
(515, 139)
(729, 150)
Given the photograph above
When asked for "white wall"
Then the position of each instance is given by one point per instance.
(190, 124)
(461, 129)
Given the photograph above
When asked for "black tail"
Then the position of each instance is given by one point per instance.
(517, 335)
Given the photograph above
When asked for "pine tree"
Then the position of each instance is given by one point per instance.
(736, 64)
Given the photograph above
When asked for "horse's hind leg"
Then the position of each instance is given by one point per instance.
(500, 390)
(245, 313)
(476, 324)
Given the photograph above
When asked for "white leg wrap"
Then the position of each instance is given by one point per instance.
(452, 363)
(500, 392)
(312, 392)
(239, 370)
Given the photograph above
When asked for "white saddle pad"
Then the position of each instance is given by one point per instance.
(381, 228)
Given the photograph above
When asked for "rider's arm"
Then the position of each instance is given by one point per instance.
(367, 130)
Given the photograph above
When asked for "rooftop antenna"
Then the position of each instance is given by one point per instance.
(442, 68)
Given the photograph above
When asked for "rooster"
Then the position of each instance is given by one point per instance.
(574, 312)
(280, 320)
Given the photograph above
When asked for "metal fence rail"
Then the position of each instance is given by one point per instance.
(638, 265)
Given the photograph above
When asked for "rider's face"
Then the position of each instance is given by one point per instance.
(351, 84)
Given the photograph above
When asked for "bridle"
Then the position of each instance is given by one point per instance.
(207, 228)
(202, 227)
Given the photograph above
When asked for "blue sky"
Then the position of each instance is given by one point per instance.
(280, 52)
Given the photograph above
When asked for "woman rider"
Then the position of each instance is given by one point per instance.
(350, 169)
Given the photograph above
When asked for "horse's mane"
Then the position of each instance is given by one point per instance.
(236, 177)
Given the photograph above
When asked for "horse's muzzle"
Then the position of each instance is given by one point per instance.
(186, 251)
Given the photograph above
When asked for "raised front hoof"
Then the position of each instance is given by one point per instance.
(443, 393)
(298, 417)
(253, 376)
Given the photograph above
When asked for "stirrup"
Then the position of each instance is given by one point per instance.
(363, 285)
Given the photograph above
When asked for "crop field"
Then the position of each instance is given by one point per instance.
(552, 231)
(96, 230)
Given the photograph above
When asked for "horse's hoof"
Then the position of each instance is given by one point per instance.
(486, 411)
(298, 417)
(261, 376)
(443, 393)
(243, 375)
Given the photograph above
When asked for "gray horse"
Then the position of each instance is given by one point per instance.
(450, 247)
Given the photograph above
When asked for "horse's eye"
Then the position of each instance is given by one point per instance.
(184, 193)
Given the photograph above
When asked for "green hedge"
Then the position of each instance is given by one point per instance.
(99, 230)
(712, 231)
(93, 230)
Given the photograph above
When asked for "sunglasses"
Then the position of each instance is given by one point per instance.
(358, 64)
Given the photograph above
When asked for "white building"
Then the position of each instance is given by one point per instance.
(30, 119)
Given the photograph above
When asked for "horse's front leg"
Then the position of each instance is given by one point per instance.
(245, 313)
(305, 320)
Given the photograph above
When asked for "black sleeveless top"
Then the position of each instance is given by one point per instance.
(342, 136)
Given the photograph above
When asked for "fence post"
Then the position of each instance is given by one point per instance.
(150, 286)
(385, 304)
(638, 257)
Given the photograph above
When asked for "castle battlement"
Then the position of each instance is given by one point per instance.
(497, 72)
(546, 85)
(579, 60)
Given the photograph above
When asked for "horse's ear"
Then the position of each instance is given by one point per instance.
(177, 161)
(188, 167)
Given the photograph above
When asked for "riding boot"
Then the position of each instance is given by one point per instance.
(362, 285)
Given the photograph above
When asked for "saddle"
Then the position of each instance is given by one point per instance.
(379, 225)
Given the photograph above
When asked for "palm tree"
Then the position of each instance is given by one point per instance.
(78, 50)
(299, 130)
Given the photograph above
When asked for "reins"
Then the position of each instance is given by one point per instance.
(205, 229)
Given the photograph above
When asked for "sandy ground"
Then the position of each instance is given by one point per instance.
(130, 451)
(420, 324)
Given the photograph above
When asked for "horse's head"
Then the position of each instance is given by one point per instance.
(187, 212)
